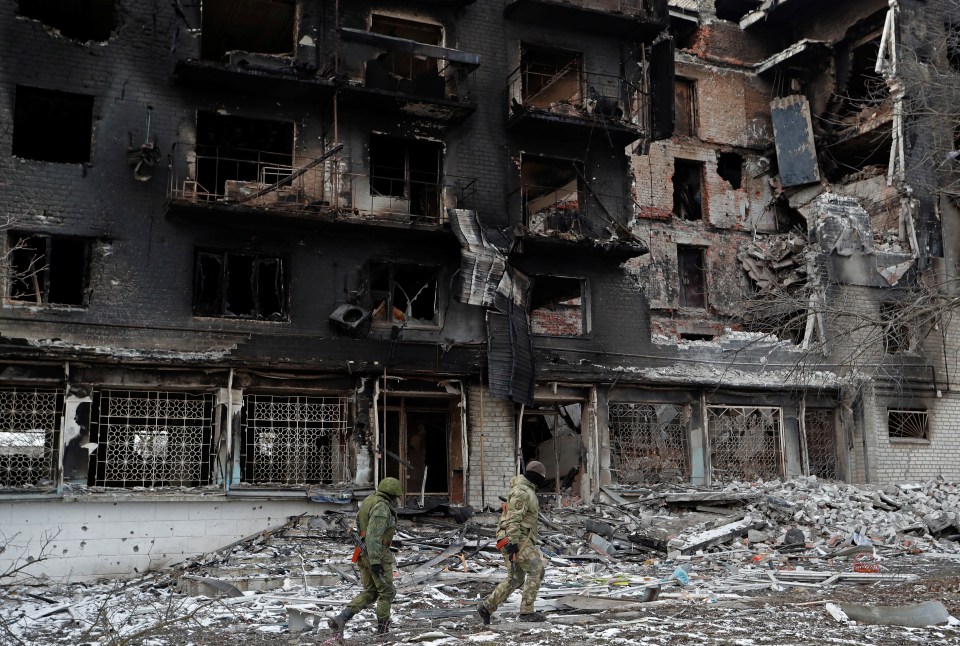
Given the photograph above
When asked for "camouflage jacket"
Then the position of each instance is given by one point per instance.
(377, 520)
(520, 516)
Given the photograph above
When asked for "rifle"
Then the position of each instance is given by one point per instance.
(359, 545)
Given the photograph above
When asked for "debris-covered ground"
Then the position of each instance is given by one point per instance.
(804, 562)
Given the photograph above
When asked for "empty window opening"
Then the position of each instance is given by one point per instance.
(862, 85)
(691, 267)
(690, 336)
(256, 26)
(557, 306)
(788, 218)
(78, 19)
(953, 45)
(905, 424)
(52, 126)
(294, 440)
(29, 436)
(648, 443)
(404, 295)
(551, 194)
(746, 443)
(687, 194)
(730, 168)
(239, 153)
(239, 284)
(685, 107)
(820, 434)
(551, 434)
(151, 439)
(48, 269)
(419, 447)
(394, 65)
(734, 10)
(684, 32)
(896, 337)
(550, 76)
(407, 175)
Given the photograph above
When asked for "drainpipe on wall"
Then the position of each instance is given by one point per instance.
(228, 467)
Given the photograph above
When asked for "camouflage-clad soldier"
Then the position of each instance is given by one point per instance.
(377, 522)
(518, 538)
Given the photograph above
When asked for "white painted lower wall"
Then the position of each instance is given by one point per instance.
(123, 535)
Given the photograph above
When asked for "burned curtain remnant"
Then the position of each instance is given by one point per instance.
(29, 436)
(648, 443)
(746, 443)
(241, 285)
(151, 439)
(48, 269)
(793, 135)
(404, 294)
(238, 27)
(53, 126)
(557, 306)
(294, 440)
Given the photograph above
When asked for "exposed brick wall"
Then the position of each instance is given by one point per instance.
(493, 440)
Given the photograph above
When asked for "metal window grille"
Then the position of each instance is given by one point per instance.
(294, 440)
(908, 424)
(152, 439)
(821, 443)
(746, 443)
(648, 443)
(29, 436)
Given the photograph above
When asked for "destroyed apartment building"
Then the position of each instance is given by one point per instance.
(259, 254)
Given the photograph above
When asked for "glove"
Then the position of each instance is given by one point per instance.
(510, 549)
(377, 569)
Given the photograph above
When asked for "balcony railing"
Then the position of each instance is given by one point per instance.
(573, 93)
(327, 188)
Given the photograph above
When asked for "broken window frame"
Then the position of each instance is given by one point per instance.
(45, 130)
(407, 189)
(908, 425)
(417, 65)
(583, 307)
(562, 214)
(689, 126)
(30, 422)
(685, 297)
(151, 438)
(216, 303)
(43, 277)
(644, 450)
(689, 207)
(383, 302)
(752, 458)
(396, 459)
(294, 440)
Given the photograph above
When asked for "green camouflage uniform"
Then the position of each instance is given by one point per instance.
(520, 521)
(377, 521)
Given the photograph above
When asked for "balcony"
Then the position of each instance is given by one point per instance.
(402, 76)
(239, 185)
(633, 18)
(568, 103)
(572, 213)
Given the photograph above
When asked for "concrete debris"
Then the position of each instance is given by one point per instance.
(776, 261)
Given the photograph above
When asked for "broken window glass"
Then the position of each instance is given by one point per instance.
(551, 194)
(151, 438)
(53, 126)
(29, 436)
(557, 306)
(255, 26)
(240, 285)
(908, 424)
(693, 280)
(406, 173)
(78, 19)
(237, 156)
(405, 295)
(294, 440)
(687, 194)
(48, 269)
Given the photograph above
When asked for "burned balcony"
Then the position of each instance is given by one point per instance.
(550, 95)
(230, 181)
(635, 18)
(405, 70)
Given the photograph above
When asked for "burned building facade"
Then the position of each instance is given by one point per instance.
(259, 255)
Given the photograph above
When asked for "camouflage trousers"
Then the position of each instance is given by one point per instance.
(375, 589)
(526, 571)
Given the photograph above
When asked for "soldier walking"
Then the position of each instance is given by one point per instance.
(518, 541)
(377, 522)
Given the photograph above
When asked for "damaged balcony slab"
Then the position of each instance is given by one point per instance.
(797, 58)
(633, 18)
(249, 75)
